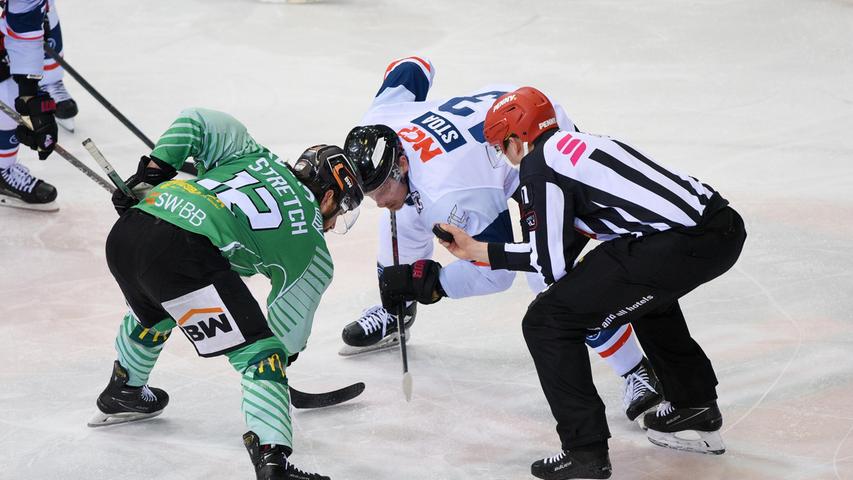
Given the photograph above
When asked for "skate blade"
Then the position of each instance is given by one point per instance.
(710, 443)
(103, 419)
(13, 202)
(66, 123)
(390, 341)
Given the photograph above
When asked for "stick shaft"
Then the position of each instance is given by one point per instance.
(61, 151)
(100, 98)
(105, 165)
(402, 312)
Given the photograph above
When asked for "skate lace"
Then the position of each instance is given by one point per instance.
(374, 318)
(636, 384)
(556, 458)
(664, 409)
(57, 91)
(19, 178)
(148, 395)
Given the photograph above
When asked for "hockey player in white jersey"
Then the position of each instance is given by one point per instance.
(32, 84)
(428, 162)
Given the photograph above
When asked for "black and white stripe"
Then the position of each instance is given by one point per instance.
(595, 188)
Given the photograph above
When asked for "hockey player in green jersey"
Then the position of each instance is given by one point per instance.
(179, 253)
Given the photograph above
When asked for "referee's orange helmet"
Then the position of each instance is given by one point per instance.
(525, 113)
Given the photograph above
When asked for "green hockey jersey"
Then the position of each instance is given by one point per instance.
(250, 205)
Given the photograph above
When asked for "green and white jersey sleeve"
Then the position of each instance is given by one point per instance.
(251, 206)
(211, 137)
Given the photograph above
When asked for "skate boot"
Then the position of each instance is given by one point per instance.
(19, 189)
(120, 403)
(573, 464)
(66, 107)
(694, 429)
(375, 330)
(641, 390)
(271, 462)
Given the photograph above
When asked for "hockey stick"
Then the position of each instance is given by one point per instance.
(186, 167)
(101, 160)
(319, 400)
(407, 377)
(58, 149)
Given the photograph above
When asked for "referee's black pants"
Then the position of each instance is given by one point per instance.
(621, 281)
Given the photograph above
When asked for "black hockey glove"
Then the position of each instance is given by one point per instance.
(144, 174)
(40, 108)
(418, 281)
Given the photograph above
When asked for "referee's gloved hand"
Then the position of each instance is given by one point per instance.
(418, 281)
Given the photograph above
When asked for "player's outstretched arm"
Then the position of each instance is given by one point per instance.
(463, 246)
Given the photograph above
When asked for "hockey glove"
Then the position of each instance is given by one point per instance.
(146, 176)
(40, 108)
(418, 281)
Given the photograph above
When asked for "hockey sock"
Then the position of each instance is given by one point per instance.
(266, 396)
(618, 347)
(138, 347)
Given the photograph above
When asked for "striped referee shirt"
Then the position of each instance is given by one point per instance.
(576, 186)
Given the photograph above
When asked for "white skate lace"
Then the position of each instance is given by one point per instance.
(636, 384)
(57, 91)
(556, 458)
(374, 318)
(664, 409)
(148, 395)
(19, 178)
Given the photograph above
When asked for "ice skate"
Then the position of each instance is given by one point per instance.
(271, 461)
(641, 391)
(693, 429)
(573, 464)
(120, 403)
(19, 189)
(66, 107)
(375, 330)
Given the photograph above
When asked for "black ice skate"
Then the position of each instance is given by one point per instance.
(19, 189)
(66, 107)
(693, 429)
(375, 330)
(271, 461)
(641, 390)
(573, 464)
(120, 403)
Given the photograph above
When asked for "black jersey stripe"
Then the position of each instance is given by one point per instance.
(642, 181)
(666, 173)
(592, 195)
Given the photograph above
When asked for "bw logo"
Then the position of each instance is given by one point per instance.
(207, 329)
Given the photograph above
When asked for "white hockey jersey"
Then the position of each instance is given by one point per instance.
(454, 175)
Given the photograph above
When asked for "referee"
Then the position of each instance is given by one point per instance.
(662, 233)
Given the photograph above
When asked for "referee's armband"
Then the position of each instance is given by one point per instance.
(510, 256)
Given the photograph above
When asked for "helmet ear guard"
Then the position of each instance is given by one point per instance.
(325, 167)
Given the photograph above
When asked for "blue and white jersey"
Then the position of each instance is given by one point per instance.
(454, 175)
(23, 28)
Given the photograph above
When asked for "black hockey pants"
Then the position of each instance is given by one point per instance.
(636, 280)
(154, 261)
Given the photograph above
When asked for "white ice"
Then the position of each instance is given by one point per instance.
(753, 97)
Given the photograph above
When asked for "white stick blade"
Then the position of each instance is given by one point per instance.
(407, 386)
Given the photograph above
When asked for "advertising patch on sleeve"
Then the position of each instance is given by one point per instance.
(206, 321)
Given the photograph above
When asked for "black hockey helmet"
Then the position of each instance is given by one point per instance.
(324, 167)
(375, 150)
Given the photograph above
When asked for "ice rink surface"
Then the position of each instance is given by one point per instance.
(754, 98)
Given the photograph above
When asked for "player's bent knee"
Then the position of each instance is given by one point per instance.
(264, 359)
